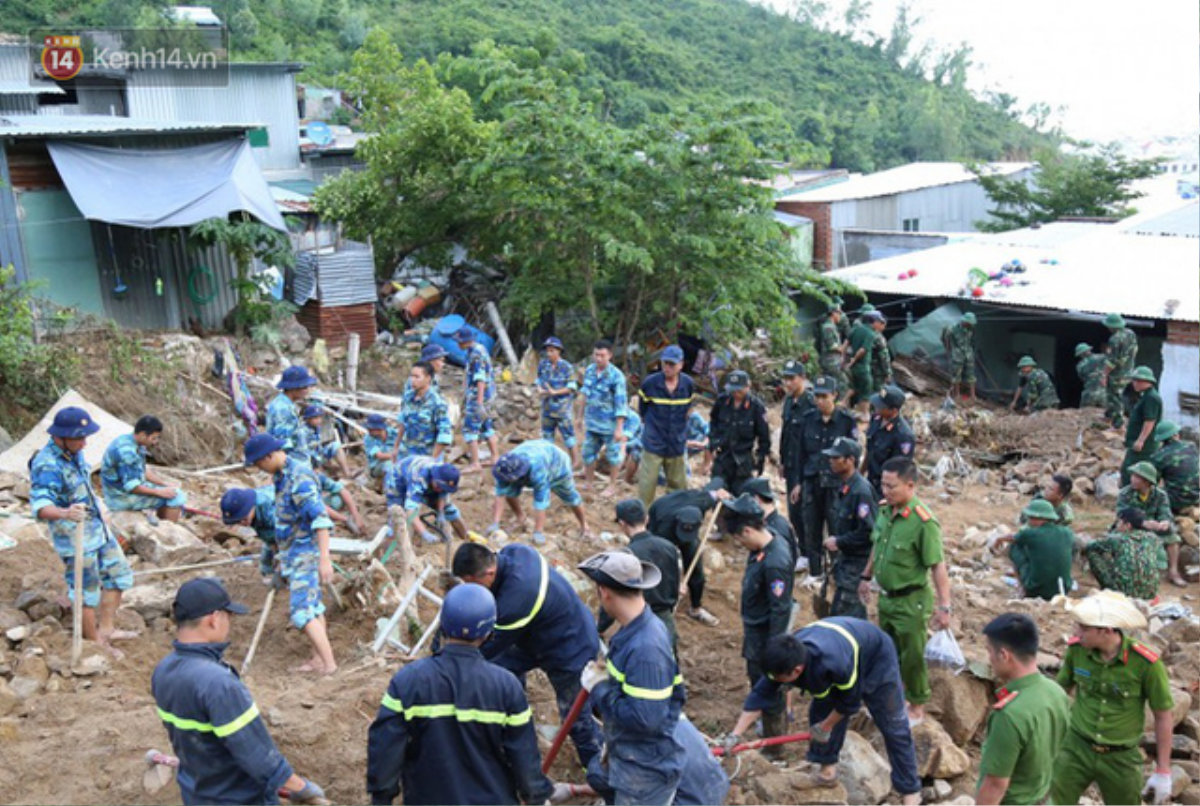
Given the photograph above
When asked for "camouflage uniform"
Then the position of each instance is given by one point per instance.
(408, 485)
(263, 524)
(1126, 562)
(1038, 392)
(59, 479)
(1179, 473)
(697, 430)
(830, 359)
(1091, 373)
(284, 423)
(605, 399)
(556, 410)
(1122, 353)
(321, 453)
(961, 338)
(881, 363)
(122, 471)
(426, 422)
(633, 430)
(299, 513)
(374, 446)
(477, 422)
(1157, 507)
(549, 471)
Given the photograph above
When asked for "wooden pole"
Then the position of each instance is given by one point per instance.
(352, 347)
(258, 631)
(77, 604)
(194, 566)
(708, 527)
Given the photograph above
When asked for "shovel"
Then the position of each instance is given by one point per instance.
(820, 604)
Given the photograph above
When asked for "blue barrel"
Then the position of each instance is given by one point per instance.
(443, 335)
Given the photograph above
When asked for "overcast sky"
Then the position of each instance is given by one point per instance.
(1120, 69)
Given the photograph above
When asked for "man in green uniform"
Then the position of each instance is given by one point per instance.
(881, 358)
(1145, 412)
(907, 546)
(831, 346)
(1114, 677)
(1178, 467)
(1126, 560)
(1057, 490)
(1122, 354)
(1026, 726)
(1144, 493)
(959, 341)
(1090, 367)
(858, 363)
(1035, 388)
(1041, 553)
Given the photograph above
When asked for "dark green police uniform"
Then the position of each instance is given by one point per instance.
(907, 543)
(862, 337)
(1042, 556)
(1148, 408)
(1024, 732)
(1107, 720)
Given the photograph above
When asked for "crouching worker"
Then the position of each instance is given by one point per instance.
(302, 535)
(226, 755)
(454, 728)
(255, 508)
(378, 446)
(128, 484)
(1126, 560)
(1041, 553)
(425, 481)
(843, 663)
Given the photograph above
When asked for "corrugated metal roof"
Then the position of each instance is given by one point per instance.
(1183, 222)
(789, 220)
(8, 87)
(85, 125)
(1100, 270)
(903, 179)
(343, 277)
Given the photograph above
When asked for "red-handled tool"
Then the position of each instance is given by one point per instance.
(561, 736)
(769, 742)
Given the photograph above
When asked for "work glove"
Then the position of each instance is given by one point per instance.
(1159, 785)
(592, 674)
(819, 734)
(562, 793)
(311, 793)
(730, 741)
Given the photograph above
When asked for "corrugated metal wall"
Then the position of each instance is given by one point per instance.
(339, 278)
(264, 95)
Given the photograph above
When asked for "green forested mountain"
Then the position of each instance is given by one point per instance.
(853, 103)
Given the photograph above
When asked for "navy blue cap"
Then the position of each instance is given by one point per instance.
(688, 518)
(673, 354)
(794, 369)
(631, 511)
(446, 476)
(759, 487)
(236, 505)
(745, 505)
(553, 341)
(296, 377)
(432, 352)
(825, 385)
(843, 447)
(313, 411)
(736, 381)
(196, 598)
(510, 467)
(375, 422)
(464, 334)
(889, 397)
(72, 422)
(260, 446)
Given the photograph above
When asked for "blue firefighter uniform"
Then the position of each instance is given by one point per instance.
(605, 401)
(284, 423)
(409, 485)
(556, 409)
(299, 513)
(704, 782)
(851, 662)
(640, 704)
(549, 471)
(373, 446)
(225, 754)
(542, 623)
(453, 728)
(122, 471)
(477, 424)
(426, 421)
(60, 479)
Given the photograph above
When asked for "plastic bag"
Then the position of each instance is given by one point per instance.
(943, 650)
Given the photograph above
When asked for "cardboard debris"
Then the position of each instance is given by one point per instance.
(16, 459)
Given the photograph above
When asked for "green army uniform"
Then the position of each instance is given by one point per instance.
(1024, 731)
(881, 363)
(1091, 375)
(1042, 556)
(862, 337)
(1122, 355)
(1038, 392)
(907, 543)
(1149, 407)
(1102, 744)
(1179, 472)
(1064, 511)
(960, 341)
(1126, 562)
(830, 357)
(1157, 507)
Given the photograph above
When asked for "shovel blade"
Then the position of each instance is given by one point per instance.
(156, 777)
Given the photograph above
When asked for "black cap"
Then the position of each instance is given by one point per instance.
(197, 598)
(793, 369)
(825, 385)
(745, 505)
(714, 484)
(889, 397)
(844, 447)
(758, 487)
(631, 511)
(688, 519)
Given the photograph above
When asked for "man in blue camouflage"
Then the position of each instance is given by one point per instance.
(634, 446)
(557, 386)
(425, 428)
(283, 415)
(601, 413)
(320, 452)
(379, 446)
(254, 508)
(302, 537)
(60, 495)
(128, 484)
(477, 399)
(418, 481)
(546, 468)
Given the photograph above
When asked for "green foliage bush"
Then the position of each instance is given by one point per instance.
(33, 374)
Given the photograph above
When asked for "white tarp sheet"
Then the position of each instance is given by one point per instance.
(174, 187)
(16, 459)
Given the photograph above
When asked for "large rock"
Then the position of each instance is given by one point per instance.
(8, 698)
(10, 617)
(293, 336)
(1108, 486)
(1181, 631)
(1183, 704)
(960, 703)
(865, 774)
(149, 601)
(166, 543)
(34, 666)
(937, 754)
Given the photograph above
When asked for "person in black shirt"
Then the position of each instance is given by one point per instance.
(739, 437)
(821, 427)
(855, 507)
(888, 435)
(797, 401)
(676, 517)
(779, 526)
(631, 517)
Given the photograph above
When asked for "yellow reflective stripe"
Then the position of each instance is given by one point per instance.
(537, 605)
(184, 724)
(230, 728)
(392, 704)
(853, 675)
(221, 731)
(642, 693)
(670, 401)
(467, 714)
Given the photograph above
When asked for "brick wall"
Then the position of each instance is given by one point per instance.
(1183, 333)
(336, 324)
(819, 213)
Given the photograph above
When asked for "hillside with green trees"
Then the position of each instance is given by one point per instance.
(861, 106)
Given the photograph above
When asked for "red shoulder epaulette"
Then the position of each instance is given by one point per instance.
(1073, 640)
(1146, 652)
(1006, 699)
(923, 513)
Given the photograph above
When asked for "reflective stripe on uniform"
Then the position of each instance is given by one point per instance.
(220, 731)
(854, 674)
(643, 693)
(461, 715)
(537, 605)
(667, 401)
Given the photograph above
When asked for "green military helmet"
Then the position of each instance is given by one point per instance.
(1040, 508)
(1114, 321)
(867, 307)
(1143, 374)
(1146, 470)
(1026, 361)
(969, 318)
(1165, 430)
(1082, 349)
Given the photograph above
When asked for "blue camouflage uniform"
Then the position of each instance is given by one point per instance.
(320, 453)
(556, 411)
(703, 783)
(226, 755)
(331, 491)
(373, 446)
(123, 470)
(541, 623)
(453, 728)
(284, 423)
(851, 662)
(605, 400)
(426, 421)
(639, 704)
(263, 524)
(476, 425)
(299, 513)
(59, 479)
(409, 485)
(697, 431)
(634, 431)
(549, 470)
